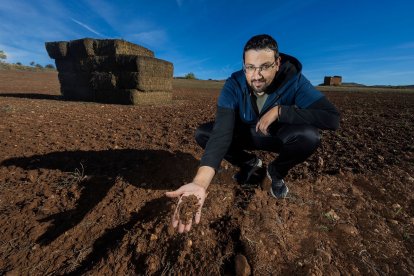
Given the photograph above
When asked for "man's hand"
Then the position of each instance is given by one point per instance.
(267, 119)
(186, 190)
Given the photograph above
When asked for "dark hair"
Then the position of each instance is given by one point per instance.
(260, 42)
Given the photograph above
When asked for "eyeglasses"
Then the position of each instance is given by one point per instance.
(265, 67)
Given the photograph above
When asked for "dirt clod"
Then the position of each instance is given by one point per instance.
(347, 229)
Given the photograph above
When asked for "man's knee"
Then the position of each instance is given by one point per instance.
(310, 138)
(203, 133)
(302, 138)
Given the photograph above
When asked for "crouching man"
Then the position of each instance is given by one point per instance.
(269, 106)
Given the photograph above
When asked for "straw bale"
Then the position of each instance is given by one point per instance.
(103, 80)
(133, 80)
(110, 47)
(106, 64)
(75, 65)
(57, 49)
(66, 65)
(87, 64)
(87, 47)
(145, 66)
(154, 98)
(155, 84)
(153, 67)
(74, 80)
(81, 48)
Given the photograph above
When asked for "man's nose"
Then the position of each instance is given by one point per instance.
(257, 74)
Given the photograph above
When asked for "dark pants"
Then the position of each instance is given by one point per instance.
(294, 143)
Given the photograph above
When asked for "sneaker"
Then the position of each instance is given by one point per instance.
(278, 189)
(250, 173)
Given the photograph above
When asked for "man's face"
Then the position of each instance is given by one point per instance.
(260, 68)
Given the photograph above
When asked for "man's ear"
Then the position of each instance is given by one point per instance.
(279, 60)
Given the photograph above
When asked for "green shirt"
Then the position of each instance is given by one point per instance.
(260, 100)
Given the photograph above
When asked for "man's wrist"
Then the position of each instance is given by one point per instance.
(204, 176)
(201, 184)
(277, 111)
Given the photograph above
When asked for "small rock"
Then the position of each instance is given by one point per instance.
(396, 206)
(393, 221)
(153, 237)
(32, 176)
(332, 215)
(242, 267)
(189, 243)
(348, 229)
(320, 162)
(412, 220)
(410, 179)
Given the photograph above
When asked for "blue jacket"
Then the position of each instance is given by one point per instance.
(300, 103)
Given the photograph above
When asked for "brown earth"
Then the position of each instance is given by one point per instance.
(82, 190)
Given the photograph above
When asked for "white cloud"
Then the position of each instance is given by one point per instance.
(86, 27)
(107, 11)
(154, 38)
(408, 45)
(179, 2)
(341, 48)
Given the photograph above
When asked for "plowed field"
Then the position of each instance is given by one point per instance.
(82, 189)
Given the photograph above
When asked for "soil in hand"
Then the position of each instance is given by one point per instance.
(187, 208)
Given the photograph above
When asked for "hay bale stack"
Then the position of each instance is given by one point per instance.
(88, 47)
(111, 71)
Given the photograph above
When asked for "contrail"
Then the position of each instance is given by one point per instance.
(86, 27)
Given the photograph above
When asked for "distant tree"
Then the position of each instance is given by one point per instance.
(2, 56)
(18, 63)
(50, 66)
(38, 65)
(190, 76)
(32, 63)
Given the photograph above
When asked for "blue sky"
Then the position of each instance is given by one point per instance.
(369, 42)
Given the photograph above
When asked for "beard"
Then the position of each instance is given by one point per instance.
(259, 86)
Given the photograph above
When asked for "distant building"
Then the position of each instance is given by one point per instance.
(332, 81)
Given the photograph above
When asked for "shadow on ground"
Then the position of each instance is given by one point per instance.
(35, 96)
(152, 169)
